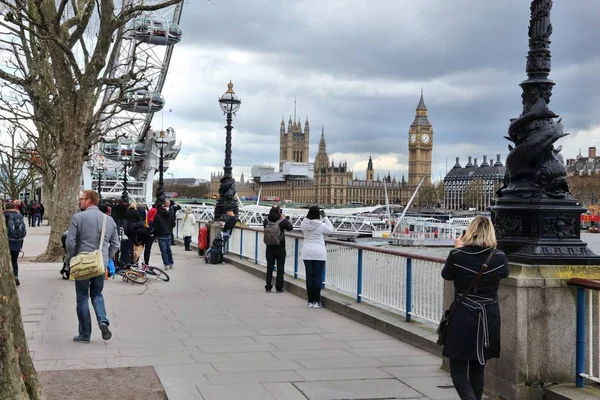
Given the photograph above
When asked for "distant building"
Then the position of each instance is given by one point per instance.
(584, 166)
(185, 181)
(328, 182)
(473, 186)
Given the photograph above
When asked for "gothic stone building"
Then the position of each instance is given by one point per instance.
(473, 186)
(331, 183)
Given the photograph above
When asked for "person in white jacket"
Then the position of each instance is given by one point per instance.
(189, 228)
(314, 254)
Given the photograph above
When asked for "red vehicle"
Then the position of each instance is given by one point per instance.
(271, 198)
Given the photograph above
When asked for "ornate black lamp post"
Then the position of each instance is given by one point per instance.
(230, 104)
(100, 170)
(537, 220)
(160, 191)
(125, 194)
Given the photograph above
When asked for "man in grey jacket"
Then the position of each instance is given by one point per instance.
(84, 235)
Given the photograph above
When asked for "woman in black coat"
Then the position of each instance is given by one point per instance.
(473, 335)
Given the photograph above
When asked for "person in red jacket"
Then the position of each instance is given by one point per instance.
(150, 215)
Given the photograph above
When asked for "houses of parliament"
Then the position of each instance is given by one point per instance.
(325, 182)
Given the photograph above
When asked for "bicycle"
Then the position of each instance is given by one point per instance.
(139, 273)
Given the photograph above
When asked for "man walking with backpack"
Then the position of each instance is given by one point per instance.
(274, 238)
(15, 230)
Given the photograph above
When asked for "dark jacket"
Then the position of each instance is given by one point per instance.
(14, 245)
(284, 225)
(230, 223)
(131, 222)
(465, 339)
(163, 223)
(142, 213)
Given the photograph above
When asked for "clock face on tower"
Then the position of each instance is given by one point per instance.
(413, 138)
(425, 138)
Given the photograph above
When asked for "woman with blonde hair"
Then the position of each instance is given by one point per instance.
(189, 228)
(473, 333)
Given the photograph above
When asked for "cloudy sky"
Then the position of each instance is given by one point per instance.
(356, 67)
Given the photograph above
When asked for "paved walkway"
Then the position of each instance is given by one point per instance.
(213, 333)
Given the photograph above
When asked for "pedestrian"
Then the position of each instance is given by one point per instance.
(150, 215)
(163, 228)
(275, 226)
(173, 208)
(473, 332)
(16, 232)
(29, 212)
(42, 211)
(314, 254)
(37, 213)
(85, 236)
(228, 222)
(189, 228)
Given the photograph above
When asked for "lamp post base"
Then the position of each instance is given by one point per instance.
(541, 231)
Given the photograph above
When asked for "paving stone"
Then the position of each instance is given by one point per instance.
(436, 388)
(218, 341)
(251, 391)
(275, 339)
(253, 377)
(253, 365)
(150, 360)
(182, 375)
(400, 361)
(312, 354)
(240, 348)
(80, 363)
(201, 358)
(333, 374)
(357, 389)
(350, 362)
(316, 345)
(417, 371)
(183, 392)
(400, 350)
(284, 391)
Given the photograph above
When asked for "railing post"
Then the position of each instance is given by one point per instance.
(256, 248)
(324, 275)
(241, 243)
(408, 288)
(296, 246)
(580, 341)
(359, 278)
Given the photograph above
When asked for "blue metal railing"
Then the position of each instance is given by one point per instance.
(585, 290)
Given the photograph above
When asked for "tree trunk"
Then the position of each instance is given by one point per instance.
(18, 377)
(67, 189)
(49, 196)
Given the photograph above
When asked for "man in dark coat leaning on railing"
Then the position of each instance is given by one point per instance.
(278, 223)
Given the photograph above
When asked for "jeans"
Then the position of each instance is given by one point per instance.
(14, 256)
(467, 377)
(314, 278)
(37, 218)
(275, 253)
(164, 242)
(85, 289)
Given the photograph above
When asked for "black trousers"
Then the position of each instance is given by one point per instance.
(467, 377)
(148, 249)
(314, 279)
(275, 254)
(14, 256)
(187, 241)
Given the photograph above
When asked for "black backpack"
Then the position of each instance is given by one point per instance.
(272, 233)
(15, 227)
(214, 255)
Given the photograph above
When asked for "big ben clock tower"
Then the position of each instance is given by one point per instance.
(420, 146)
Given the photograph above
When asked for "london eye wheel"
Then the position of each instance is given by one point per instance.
(142, 50)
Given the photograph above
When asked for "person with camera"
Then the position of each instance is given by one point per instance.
(275, 226)
(314, 254)
(473, 331)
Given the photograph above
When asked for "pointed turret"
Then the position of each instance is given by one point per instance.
(289, 128)
(370, 170)
(282, 129)
(306, 127)
(421, 113)
(322, 160)
(421, 105)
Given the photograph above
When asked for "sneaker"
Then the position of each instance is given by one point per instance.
(81, 339)
(171, 266)
(106, 335)
(311, 305)
(17, 282)
(279, 290)
(317, 305)
(166, 267)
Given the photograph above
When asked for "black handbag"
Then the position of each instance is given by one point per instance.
(442, 329)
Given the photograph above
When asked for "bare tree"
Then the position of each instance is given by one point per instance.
(18, 377)
(16, 173)
(55, 57)
(54, 76)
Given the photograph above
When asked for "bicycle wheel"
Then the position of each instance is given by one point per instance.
(158, 273)
(136, 277)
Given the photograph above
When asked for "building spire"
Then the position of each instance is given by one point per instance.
(421, 105)
(294, 108)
